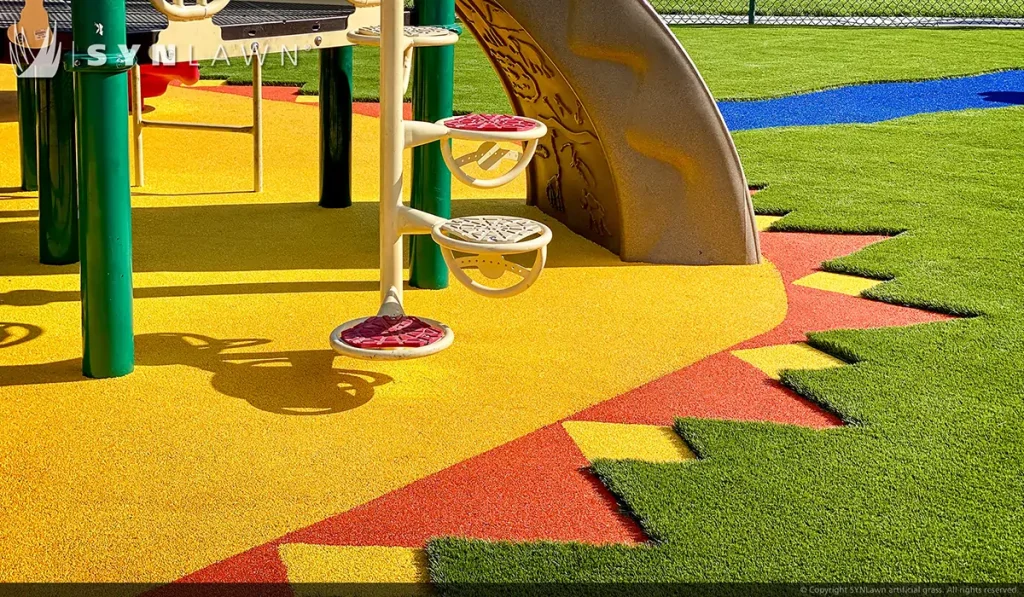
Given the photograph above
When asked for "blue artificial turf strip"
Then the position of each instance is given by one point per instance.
(877, 102)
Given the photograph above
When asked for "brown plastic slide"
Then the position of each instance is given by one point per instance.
(639, 158)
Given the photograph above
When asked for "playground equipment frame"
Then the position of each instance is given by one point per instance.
(397, 220)
(139, 123)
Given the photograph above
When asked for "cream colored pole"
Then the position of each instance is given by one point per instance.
(140, 168)
(257, 120)
(392, 142)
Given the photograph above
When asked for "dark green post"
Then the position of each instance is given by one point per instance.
(336, 127)
(58, 185)
(101, 103)
(751, 11)
(27, 110)
(432, 92)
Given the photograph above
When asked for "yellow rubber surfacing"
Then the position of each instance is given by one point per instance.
(240, 424)
(615, 441)
(773, 360)
(765, 222)
(841, 283)
(307, 564)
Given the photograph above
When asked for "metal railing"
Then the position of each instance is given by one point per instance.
(870, 13)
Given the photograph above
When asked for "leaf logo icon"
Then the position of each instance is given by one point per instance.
(38, 64)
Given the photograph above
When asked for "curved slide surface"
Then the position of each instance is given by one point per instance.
(639, 158)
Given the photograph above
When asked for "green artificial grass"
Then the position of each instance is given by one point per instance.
(842, 8)
(738, 62)
(758, 62)
(926, 482)
(304, 72)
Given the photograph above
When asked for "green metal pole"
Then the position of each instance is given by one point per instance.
(432, 93)
(751, 11)
(336, 127)
(27, 109)
(101, 103)
(58, 184)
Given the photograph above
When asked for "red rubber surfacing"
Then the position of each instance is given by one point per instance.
(536, 487)
(277, 93)
(718, 387)
(260, 564)
(533, 488)
(724, 387)
(811, 310)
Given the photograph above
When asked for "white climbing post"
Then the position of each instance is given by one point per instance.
(137, 106)
(392, 49)
(257, 119)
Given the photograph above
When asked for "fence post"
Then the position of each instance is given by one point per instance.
(751, 11)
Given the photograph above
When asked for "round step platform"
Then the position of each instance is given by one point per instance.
(420, 36)
(393, 338)
(491, 128)
(483, 235)
(486, 239)
(494, 127)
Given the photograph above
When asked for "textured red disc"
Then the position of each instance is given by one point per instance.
(391, 332)
(496, 123)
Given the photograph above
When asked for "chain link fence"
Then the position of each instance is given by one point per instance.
(840, 13)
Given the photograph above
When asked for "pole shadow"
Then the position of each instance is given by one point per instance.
(299, 383)
(295, 383)
(39, 297)
(13, 334)
(1012, 98)
(19, 213)
(8, 105)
